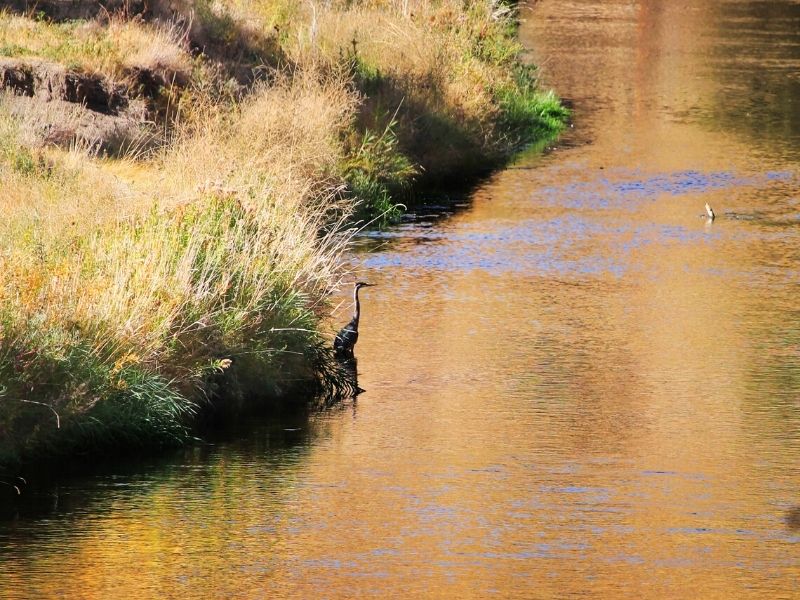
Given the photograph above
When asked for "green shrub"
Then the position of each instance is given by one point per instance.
(377, 172)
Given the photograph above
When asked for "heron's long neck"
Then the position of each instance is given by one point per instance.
(357, 314)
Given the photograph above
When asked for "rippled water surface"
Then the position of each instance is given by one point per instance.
(577, 386)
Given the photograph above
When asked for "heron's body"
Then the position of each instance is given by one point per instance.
(346, 339)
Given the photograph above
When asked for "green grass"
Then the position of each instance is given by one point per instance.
(455, 94)
(68, 390)
(61, 398)
(528, 114)
(378, 173)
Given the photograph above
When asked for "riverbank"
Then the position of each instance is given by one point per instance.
(180, 183)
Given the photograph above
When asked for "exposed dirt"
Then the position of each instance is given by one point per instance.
(47, 81)
(64, 107)
(236, 48)
(62, 10)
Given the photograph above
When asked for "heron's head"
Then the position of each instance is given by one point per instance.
(361, 284)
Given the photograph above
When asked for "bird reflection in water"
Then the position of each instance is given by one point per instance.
(350, 367)
(14, 483)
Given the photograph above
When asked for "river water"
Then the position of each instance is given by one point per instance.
(576, 385)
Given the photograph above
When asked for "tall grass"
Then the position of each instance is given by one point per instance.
(377, 172)
(135, 290)
(446, 77)
(222, 261)
(112, 49)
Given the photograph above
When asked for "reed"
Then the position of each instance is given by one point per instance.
(216, 255)
(446, 78)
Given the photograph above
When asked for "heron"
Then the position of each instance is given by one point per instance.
(346, 339)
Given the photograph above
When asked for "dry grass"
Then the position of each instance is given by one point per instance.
(112, 49)
(210, 252)
(447, 73)
(141, 67)
(134, 261)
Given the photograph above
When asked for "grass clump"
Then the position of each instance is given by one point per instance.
(125, 308)
(447, 75)
(60, 397)
(112, 49)
(377, 173)
(526, 112)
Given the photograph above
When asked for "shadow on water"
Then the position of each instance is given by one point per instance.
(427, 216)
(793, 518)
(42, 493)
(89, 486)
(268, 430)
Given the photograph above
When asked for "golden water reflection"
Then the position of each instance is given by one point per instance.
(577, 386)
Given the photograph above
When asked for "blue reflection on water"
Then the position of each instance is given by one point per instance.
(604, 193)
(566, 244)
(554, 246)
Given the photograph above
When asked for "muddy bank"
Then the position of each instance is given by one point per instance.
(66, 107)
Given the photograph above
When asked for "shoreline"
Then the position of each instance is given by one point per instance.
(192, 273)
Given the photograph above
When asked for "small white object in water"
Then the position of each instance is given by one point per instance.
(709, 212)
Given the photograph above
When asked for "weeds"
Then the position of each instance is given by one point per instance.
(112, 49)
(121, 325)
(526, 112)
(378, 173)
